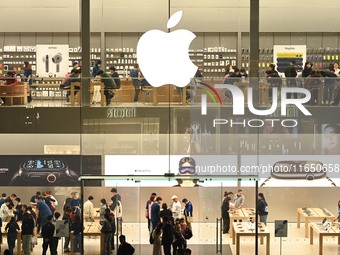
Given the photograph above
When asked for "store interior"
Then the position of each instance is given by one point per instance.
(136, 147)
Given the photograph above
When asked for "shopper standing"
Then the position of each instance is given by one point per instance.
(88, 210)
(42, 211)
(148, 208)
(225, 214)
(27, 228)
(155, 212)
(167, 236)
(77, 229)
(76, 204)
(239, 199)
(103, 207)
(47, 233)
(134, 74)
(290, 74)
(166, 212)
(28, 78)
(188, 210)
(329, 84)
(307, 70)
(12, 230)
(156, 236)
(107, 231)
(176, 207)
(115, 206)
(262, 208)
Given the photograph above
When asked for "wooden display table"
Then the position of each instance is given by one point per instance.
(321, 232)
(312, 214)
(14, 94)
(91, 229)
(248, 229)
(240, 214)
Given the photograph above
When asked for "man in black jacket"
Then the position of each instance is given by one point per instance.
(290, 74)
(47, 233)
(125, 248)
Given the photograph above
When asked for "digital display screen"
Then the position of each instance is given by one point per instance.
(43, 164)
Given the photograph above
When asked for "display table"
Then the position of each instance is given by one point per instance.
(240, 214)
(248, 229)
(312, 214)
(321, 232)
(91, 229)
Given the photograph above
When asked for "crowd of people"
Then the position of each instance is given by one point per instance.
(169, 225)
(38, 218)
(313, 80)
(233, 202)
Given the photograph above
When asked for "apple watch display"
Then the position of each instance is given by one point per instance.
(45, 171)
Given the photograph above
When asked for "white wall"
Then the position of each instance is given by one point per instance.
(199, 15)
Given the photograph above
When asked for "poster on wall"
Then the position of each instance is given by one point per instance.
(293, 170)
(178, 165)
(44, 170)
(52, 60)
(284, 54)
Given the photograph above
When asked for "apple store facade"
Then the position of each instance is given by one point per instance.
(227, 110)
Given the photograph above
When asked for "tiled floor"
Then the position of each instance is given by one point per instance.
(204, 242)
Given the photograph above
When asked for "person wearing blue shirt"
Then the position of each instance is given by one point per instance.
(2, 199)
(75, 204)
(155, 210)
(96, 68)
(188, 212)
(42, 211)
(134, 74)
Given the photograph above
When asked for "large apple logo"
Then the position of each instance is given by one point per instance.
(163, 57)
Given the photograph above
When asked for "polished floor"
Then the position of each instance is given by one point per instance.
(204, 242)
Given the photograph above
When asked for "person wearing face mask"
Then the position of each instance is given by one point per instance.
(243, 74)
(307, 69)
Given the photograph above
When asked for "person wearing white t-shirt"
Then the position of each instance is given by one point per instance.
(176, 207)
(88, 210)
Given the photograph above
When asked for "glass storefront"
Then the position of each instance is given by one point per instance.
(205, 107)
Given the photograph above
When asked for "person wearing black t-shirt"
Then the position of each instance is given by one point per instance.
(47, 233)
(77, 228)
(125, 248)
(27, 228)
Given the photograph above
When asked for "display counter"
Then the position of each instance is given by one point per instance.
(312, 214)
(242, 214)
(321, 231)
(248, 229)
